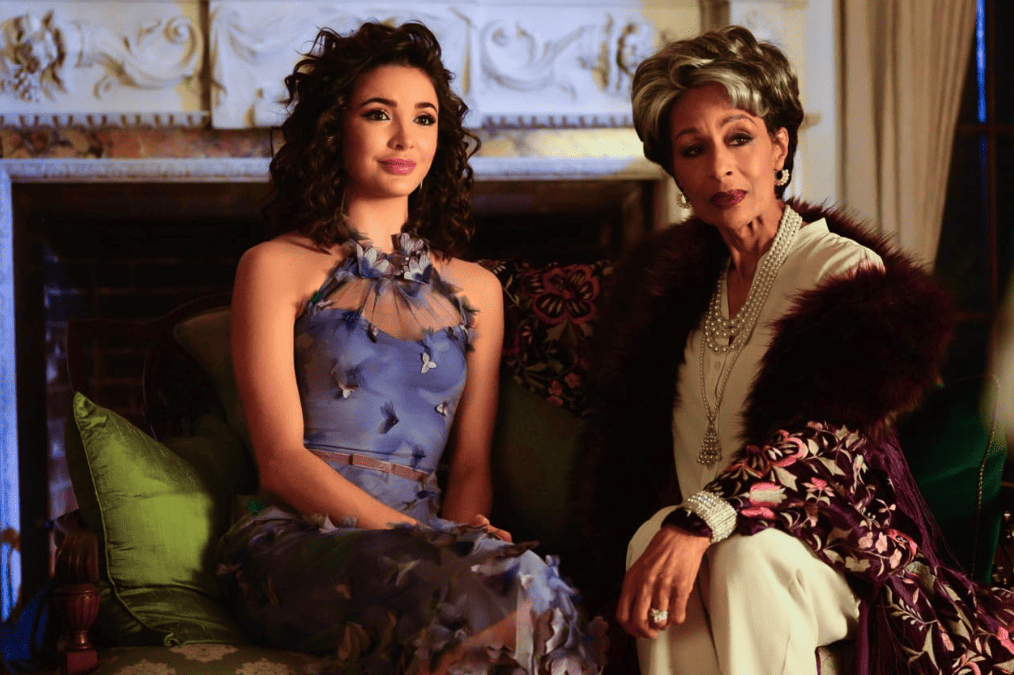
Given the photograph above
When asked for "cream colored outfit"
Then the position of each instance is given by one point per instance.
(763, 603)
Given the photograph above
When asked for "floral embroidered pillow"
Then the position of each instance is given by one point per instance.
(549, 315)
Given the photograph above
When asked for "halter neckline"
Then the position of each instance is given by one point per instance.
(408, 260)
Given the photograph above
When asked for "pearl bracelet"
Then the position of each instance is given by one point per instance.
(717, 513)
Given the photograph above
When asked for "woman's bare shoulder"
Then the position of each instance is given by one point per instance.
(285, 247)
(289, 262)
(477, 283)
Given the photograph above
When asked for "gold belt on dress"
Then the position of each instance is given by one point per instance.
(366, 462)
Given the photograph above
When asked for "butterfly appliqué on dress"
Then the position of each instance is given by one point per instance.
(390, 418)
(428, 363)
(347, 381)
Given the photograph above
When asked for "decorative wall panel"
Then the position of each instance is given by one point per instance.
(559, 64)
(119, 62)
(565, 63)
(255, 44)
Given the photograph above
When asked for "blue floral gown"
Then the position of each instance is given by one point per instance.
(380, 365)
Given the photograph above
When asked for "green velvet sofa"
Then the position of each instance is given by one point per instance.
(136, 590)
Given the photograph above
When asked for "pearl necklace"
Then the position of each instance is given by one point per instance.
(723, 335)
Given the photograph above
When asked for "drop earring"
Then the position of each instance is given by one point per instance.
(343, 217)
(782, 177)
(681, 199)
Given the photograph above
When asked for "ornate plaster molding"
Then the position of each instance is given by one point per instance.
(562, 64)
(33, 57)
(90, 58)
(561, 121)
(540, 70)
(766, 19)
(95, 120)
(765, 25)
(159, 55)
(519, 54)
(211, 170)
(254, 44)
(546, 65)
(516, 58)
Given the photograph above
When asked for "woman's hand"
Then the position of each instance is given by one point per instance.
(482, 521)
(662, 578)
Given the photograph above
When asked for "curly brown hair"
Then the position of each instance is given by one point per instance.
(307, 173)
(756, 75)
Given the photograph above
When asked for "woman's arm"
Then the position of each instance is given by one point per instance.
(814, 484)
(469, 486)
(270, 286)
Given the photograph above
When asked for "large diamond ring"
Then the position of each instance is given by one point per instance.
(658, 615)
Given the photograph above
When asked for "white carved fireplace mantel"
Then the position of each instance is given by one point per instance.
(563, 63)
(555, 74)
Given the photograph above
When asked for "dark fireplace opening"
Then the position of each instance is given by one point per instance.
(135, 269)
(135, 251)
(561, 221)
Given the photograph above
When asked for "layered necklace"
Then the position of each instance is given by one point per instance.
(722, 335)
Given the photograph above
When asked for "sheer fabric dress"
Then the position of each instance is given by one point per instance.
(380, 364)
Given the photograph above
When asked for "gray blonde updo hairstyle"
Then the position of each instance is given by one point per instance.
(756, 76)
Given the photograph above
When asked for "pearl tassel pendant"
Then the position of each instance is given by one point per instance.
(711, 449)
(722, 335)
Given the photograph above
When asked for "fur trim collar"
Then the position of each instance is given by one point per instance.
(856, 350)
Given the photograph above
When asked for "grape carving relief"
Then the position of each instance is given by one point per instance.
(32, 58)
(38, 52)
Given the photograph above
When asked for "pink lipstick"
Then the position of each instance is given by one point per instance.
(726, 200)
(401, 167)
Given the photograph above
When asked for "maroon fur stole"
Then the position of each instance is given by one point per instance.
(857, 350)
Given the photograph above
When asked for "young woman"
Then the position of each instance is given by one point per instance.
(362, 348)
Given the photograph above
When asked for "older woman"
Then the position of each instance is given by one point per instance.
(756, 356)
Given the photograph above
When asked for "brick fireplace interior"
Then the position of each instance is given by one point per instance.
(137, 250)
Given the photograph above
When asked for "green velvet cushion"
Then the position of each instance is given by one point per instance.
(956, 455)
(159, 509)
(206, 336)
(533, 451)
